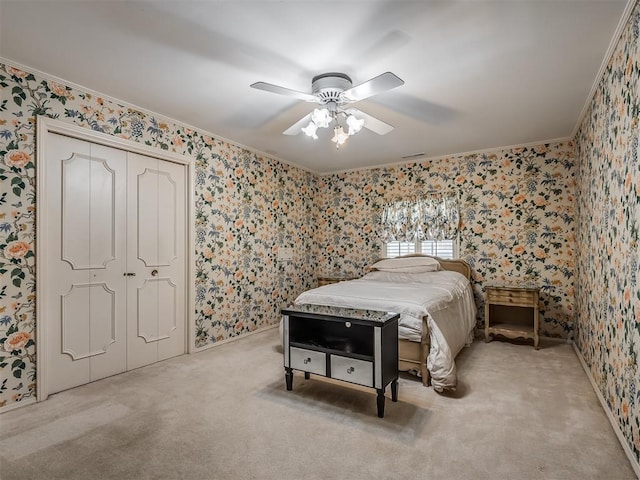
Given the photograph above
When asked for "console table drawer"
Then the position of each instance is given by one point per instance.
(308, 361)
(352, 370)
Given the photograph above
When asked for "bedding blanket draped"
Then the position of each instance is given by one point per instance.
(443, 298)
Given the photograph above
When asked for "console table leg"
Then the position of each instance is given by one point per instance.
(288, 377)
(380, 401)
(394, 390)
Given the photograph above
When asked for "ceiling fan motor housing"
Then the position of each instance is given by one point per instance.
(329, 87)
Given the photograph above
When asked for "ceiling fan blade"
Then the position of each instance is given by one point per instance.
(372, 123)
(297, 127)
(376, 85)
(268, 87)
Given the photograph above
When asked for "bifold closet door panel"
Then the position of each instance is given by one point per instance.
(156, 249)
(85, 299)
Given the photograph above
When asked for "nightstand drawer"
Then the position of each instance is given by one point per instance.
(352, 370)
(308, 361)
(511, 297)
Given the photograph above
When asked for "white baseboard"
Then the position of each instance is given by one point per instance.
(15, 405)
(614, 424)
(233, 339)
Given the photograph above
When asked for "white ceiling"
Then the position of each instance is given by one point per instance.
(478, 74)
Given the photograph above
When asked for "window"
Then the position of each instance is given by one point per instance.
(437, 248)
(395, 249)
(430, 217)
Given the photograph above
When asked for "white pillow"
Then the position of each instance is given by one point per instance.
(402, 277)
(407, 265)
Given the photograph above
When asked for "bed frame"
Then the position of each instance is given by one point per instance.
(413, 355)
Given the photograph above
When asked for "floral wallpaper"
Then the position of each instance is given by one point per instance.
(517, 219)
(607, 329)
(565, 216)
(247, 206)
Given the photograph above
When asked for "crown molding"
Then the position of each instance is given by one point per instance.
(159, 116)
(624, 20)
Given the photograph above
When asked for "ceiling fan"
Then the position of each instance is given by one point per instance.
(335, 92)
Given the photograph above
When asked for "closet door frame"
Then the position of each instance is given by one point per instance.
(45, 126)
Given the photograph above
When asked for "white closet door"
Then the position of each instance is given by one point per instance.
(156, 255)
(85, 298)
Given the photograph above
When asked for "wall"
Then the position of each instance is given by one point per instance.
(517, 219)
(246, 206)
(607, 233)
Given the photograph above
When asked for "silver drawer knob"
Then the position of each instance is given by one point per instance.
(347, 324)
(307, 360)
(350, 370)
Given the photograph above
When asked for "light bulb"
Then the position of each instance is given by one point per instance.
(339, 136)
(321, 117)
(355, 124)
(310, 130)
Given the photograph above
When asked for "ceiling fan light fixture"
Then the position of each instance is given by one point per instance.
(339, 136)
(310, 130)
(354, 124)
(333, 91)
(321, 117)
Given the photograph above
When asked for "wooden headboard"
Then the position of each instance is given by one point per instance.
(458, 265)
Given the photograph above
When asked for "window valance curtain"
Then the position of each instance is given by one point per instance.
(432, 217)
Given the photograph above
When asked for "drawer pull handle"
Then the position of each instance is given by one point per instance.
(350, 370)
(307, 360)
(347, 324)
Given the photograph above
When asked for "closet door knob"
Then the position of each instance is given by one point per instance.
(154, 273)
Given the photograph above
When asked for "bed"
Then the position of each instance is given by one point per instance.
(435, 300)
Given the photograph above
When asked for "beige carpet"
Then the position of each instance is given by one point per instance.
(225, 414)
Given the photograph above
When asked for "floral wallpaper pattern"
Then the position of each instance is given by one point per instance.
(517, 219)
(607, 329)
(247, 206)
(557, 215)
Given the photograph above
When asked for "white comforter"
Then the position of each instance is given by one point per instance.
(444, 298)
